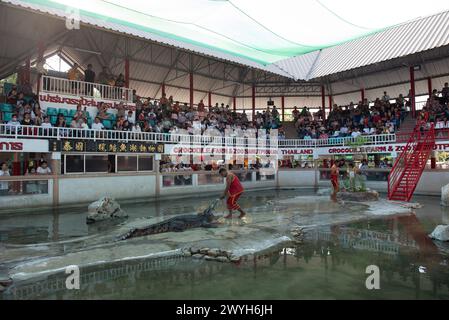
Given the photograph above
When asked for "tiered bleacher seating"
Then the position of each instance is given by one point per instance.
(7, 110)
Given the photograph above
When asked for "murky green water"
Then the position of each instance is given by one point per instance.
(331, 263)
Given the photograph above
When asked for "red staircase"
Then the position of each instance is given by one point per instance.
(410, 164)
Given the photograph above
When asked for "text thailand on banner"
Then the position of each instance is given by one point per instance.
(346, 150)
(23, 145)
(47, 100)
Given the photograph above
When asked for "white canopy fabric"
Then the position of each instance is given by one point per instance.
(261, 31)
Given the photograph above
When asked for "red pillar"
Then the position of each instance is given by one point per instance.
(283, 108)
(163, 88)
(127, 72)
(253, 96)
(323, 101)
(412, 90)
(234, 104)
(191, 89)
(362, 94)
(209, 98)
(429, 85)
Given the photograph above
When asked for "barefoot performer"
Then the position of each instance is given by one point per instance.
(233, 190)
(334, 178)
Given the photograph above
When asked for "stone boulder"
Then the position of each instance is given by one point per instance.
(445, 195)
(441, 233)
(104, 209)
(369, 195)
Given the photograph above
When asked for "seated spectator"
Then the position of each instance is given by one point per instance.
(27, 121)
(60, 122)
(97, 125)
(46, 123)
(13, 96)
(104, 77)
(445, 93)
(120, 81)
(43, 168)
(4, 185)
(130, 117)
(74, 74)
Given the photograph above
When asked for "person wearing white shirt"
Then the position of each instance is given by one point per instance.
(13, 124)
(43, 168)
(344, 130)
(46, 123)
(97, 125)
(386, 97)
(4, 185)
(136, 128)
(439, 124)
(355, 133)
(84, 124)
(130, 117)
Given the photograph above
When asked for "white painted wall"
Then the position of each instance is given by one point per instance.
(86, 189)
(296, 178)
(29, 200)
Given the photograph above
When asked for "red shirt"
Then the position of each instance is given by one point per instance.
(235, 186)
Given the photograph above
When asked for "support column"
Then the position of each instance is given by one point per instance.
(429, 86)
(127, 72)
(433, 160)
(40, 57)
(209, 97)
(362, 94)
(234, 104)
(412, 91)
(27, 75)
(163, 88)
(323, 102)
(330, 103)
(253, 97)
(283, 108)
(191, 89)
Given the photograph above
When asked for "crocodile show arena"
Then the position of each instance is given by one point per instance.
(339, 241)
(197, 156)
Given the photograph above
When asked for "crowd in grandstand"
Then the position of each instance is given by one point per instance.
(353, 120)
(166, 115)
(436, 109)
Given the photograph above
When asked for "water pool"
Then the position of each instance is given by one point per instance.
(340, 242)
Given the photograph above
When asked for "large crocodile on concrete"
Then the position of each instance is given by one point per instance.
(205, 219)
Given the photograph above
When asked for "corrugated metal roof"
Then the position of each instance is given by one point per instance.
(153, 37)
(402, 40)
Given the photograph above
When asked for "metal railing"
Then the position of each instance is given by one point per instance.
(58, 133)
(338, 141)
(85, 89)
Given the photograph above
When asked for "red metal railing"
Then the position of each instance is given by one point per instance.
(410, 164)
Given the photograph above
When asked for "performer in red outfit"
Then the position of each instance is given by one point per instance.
(334, 177)
(233, 190)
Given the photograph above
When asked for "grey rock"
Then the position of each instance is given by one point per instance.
(370, 195)
(441, 233)
(194, 250)
(198, 256)
(214, 252)
(222, 259)
(204, 250)
(234, 258)
(103, 209)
